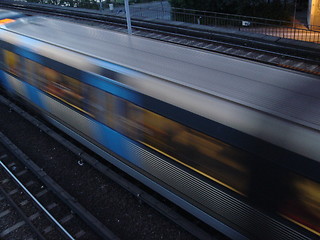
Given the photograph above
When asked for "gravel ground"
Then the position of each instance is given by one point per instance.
(118, 209)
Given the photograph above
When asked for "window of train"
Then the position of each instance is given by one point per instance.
(110, 108)
(72, 91)
(212, 158)
(12, 62)
(50, 82)
(128, 119)
(1, 59)
(301, 202)
(94, 104)
(33, 72)
(62, 87)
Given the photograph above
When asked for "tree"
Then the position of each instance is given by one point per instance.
(92, 4)
(276, 9)
(208, 5)
(88, 4)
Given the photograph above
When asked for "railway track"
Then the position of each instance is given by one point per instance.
(35, 206)
(23, 215)
(296, 57)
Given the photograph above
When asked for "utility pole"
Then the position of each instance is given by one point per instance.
(126, 6)
(294, 13)
(100, 5)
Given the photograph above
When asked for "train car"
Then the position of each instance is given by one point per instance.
(235, 143)
(7, 16)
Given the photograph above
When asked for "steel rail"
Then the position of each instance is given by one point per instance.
(22, 214)
(86, 216)
(2, 136)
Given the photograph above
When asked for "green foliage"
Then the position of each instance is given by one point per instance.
(91, 4)
(140, 1)
(274, 9)
(205, 5)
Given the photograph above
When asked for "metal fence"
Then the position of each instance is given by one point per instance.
(282, 29)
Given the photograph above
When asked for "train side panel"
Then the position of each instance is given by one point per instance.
(128, 128)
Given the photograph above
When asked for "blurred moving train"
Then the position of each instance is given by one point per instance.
(236, 143)
(9, 16)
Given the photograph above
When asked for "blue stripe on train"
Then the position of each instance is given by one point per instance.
(33, 94)
(115, 142)
(26, 51)
(113, 67)
(110, 86)
(115, 86)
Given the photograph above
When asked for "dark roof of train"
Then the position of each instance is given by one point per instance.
(271, 89)
(9, 14)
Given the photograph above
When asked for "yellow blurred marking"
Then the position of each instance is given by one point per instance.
(194, 169)
(6, 20)
(301, 225)
(80, 109)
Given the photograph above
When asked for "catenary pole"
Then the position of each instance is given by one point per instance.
(126, 6)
